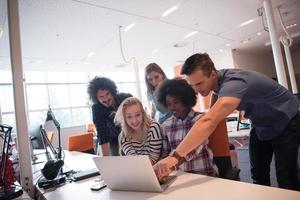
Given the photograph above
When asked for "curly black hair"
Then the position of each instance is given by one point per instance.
(177, 88)
(101, 83)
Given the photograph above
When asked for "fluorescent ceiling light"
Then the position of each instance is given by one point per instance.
(155, 51)
(90, 54)
(291, 25)
(130, 26)
(228, 44)
(246, 41)
(169, 11)
(35, 61)
(259, 33)
(180, 44)
(246, 22)
(221, 50)
(121, 65)
(190, 34)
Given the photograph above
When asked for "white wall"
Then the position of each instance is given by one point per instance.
(296, 63)
(296, 60)
(260, 62)
(222, 59)
(264, 62)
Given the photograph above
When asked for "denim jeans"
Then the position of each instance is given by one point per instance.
(285, 149)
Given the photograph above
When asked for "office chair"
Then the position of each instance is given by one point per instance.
(81, 142)
(219, 144)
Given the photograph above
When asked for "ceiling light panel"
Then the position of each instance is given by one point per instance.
(169, 11)
(245, 23)
(130, 26)
(190, 34)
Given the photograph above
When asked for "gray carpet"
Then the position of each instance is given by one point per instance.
(244, 165)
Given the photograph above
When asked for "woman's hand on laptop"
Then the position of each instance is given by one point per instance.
(164, 167)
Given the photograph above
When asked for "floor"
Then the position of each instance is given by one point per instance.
(244, 165)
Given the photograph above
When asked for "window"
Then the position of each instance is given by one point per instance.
(59, 96)
(65, 92)
(6, 98)
(78, 95)
(37, 97)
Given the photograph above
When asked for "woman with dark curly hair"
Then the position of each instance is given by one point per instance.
(105, 97)
(154, 75)
(179, 98)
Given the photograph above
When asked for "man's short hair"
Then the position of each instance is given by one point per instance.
(101, 83)
(198, 61)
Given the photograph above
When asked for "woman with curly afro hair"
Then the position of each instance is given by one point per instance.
(179, 98)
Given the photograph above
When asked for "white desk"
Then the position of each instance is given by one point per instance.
(186, 186)
(239, 133)
(239, 138)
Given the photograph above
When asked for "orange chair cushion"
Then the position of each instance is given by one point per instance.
(81, 142)
(218, 141)
(50, 136)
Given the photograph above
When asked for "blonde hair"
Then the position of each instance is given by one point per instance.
(127, 131)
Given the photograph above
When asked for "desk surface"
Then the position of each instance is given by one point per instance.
(186, 186)
(239, 133)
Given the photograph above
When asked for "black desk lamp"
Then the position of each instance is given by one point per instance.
(52, 170)
(13, 191)
(51, 117)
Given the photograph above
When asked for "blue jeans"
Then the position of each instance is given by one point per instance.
(285, 149)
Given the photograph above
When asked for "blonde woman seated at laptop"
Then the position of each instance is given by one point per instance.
(140, 135)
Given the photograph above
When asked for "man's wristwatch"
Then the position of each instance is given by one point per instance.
(180, 159)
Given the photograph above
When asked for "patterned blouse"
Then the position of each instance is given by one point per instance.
(200, 160)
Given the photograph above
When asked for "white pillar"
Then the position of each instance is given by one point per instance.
(19, 97)
(280, 71)
(290, 67)
(0, 114)
(137, 79)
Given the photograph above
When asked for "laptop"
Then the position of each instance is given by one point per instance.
(130, 173)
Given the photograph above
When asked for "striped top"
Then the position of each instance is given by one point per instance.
(151, 146)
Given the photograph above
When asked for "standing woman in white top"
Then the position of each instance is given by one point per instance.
(140, 135)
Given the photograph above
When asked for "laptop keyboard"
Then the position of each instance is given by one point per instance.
(86, 174)
(166, 180)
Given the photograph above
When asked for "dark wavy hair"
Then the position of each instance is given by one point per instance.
(177, 88)
(101, 83)
(152, 67)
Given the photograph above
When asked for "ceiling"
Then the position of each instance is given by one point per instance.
(83, 35)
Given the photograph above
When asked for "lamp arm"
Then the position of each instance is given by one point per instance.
(7, 136)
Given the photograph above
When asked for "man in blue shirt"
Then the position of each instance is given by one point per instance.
(273, 111)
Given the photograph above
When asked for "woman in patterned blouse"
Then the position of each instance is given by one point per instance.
(179, 98)
(140, 135)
